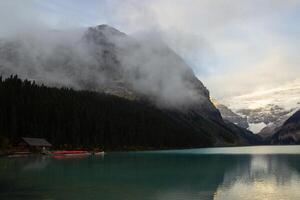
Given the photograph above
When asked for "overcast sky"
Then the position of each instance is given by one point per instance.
(235, 47)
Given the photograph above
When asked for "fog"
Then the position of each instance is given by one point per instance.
(102, 59)
(234, 47)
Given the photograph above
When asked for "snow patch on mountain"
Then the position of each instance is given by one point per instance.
(256, 127)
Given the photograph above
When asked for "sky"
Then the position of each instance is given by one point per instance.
(235, 47)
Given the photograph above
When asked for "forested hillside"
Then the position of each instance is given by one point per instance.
(89, 119)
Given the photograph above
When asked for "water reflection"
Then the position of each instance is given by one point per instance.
(36, 163)
(264, 177)
(153, 176)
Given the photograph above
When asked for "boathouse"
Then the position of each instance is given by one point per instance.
(34, 143)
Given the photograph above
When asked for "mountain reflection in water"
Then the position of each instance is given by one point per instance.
(264, 177)
(183, 175)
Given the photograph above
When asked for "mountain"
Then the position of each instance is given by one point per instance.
(289, 132)
(268, 108)
(259, 118)
(104, 59)
(245, 136)
(138, 69)
(238, 124)
(272, 127)
(231, 116)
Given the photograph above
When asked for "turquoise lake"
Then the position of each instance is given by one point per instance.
(254, 173)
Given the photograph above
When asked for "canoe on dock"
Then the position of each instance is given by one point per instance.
(71, 153)
(99, 153)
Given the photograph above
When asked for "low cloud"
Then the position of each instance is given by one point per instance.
(235, 47)
(103, 59)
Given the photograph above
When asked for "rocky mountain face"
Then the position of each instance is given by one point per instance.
(231, 116)
(267, 114)
(272, 127)
(106, 60)
(268, 108)
(289, 132)
(238, 124)
(245, 136)
(262, 120)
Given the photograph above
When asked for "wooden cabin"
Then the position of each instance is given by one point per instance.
(34, 144)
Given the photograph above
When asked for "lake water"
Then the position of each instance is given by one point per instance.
(252, 173)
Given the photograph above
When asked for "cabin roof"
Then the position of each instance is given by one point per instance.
(37, 142)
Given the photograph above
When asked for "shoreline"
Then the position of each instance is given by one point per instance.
(5, 153)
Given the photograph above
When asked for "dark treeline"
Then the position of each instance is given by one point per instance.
(90, 119)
